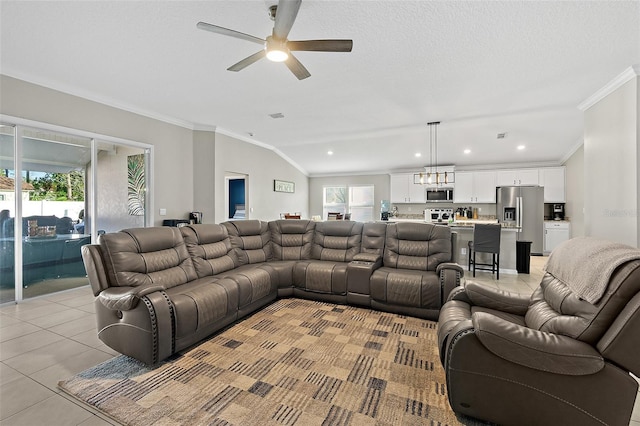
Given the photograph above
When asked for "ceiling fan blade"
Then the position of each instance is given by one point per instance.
(321, 45)
(296, 67)
(247, 61)
(285, 16)
(228, 32)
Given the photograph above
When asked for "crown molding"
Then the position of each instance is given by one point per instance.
(246, 139)
(572, 150)
(203, 128)
(90, 96)
(72, 91)
(631, 72)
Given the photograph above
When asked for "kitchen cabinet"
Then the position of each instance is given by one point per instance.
(403, 190)
(553, 180)
(555, 233)
(475, 187)
(517, 177)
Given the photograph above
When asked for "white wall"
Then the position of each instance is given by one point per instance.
(113, 212)
(173, 144)
(611, 166)
(204, 194)
(233, 156)
(574, 206)
(381, 189)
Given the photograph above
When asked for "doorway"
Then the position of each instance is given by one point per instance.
(236, 197)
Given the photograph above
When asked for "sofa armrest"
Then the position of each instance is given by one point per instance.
(535, 349)
(493, 298)
(367, 257)
(459, 293)
(449, 265)
(450, 277)
(125, 298)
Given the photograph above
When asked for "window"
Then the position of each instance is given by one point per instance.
(356, 200)
(334, 200)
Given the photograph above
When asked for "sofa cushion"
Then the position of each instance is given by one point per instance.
(336, 241)
(373, 236)
(143, 256)
(556, 309)
(201, 303)
(254, 282)
(321, 276)
(418, 289)
(417, 246)
(210, 247)
(291, 239)
(250, 240)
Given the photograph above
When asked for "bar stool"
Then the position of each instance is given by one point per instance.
(486, 239)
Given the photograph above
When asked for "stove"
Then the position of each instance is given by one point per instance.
(437, 215)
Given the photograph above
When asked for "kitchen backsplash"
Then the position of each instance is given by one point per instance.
(421, 216)
(417, 210)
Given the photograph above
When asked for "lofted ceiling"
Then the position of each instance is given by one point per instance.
(479, 67)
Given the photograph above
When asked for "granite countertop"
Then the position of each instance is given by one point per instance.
(466, 223)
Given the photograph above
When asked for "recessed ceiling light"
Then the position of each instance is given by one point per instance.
(520, 147)
(330, 152)
(418, 154)
(467, 151)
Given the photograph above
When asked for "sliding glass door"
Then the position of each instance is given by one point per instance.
(7, 209)
(53, 169)
(70, 189)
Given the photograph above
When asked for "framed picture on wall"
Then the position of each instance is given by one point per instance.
(283, 186)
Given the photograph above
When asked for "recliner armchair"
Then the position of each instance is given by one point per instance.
(560, 356)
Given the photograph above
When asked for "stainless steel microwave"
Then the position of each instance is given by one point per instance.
(439, 195)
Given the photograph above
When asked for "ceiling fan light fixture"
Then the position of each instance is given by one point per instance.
(277, 55)
(276, 50)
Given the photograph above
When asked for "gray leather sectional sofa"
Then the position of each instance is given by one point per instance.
(160, 290)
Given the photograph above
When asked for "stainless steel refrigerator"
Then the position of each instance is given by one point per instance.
(523, 206)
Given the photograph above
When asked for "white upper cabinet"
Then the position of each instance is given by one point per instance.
(463, 192)
(403, 190)
(517, 177)
(553, 180)
(475, 187)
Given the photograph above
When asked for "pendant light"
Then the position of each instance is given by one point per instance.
(432, 174)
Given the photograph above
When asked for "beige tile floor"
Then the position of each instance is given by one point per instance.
(51, 338)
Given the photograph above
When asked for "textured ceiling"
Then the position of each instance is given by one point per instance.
(479, 67)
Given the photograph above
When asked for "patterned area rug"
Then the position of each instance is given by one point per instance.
(295, 362)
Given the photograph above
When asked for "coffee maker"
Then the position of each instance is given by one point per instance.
(558, 211)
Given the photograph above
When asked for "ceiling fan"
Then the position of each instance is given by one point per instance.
(277, 47)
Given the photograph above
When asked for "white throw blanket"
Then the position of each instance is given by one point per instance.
(585, 265)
